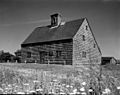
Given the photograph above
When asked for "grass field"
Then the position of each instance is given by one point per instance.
(26, 78)
(21, 74)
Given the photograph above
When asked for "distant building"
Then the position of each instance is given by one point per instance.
(70, 43)
(108, 60)
(1, 52)
(118, 61)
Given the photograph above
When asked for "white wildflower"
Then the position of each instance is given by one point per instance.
(55, 80)
(107, 90)
(67, 86)
(71, 86)
(20, 93)
(82, 89)
(62, 93)
(1, 89)
(40, 89)
(9, 85)
(118, 87)
(90, 90)
(83, 83)
(74, 91)
(83, 93)
(32, 91)
(25, 84)
(36, 81)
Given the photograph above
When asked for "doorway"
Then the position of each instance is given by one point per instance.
(42, 57)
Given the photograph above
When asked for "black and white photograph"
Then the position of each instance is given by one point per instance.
(60, 47)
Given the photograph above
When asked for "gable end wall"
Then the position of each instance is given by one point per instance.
(93, 55)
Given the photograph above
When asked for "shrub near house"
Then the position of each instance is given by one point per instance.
(6, 56)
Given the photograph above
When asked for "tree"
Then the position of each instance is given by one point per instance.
(17, 58)
(5, 56)
(18, 55)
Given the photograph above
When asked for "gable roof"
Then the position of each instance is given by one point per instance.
(94, 37)
(62, 32)
(108, 58)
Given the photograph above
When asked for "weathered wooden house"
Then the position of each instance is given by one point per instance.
(70, 43)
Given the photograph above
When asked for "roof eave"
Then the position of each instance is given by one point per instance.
(45, 42)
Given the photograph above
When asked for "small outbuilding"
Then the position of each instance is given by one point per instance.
(108, 60)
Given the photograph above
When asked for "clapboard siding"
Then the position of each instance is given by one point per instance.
(92, 53)
(64, 47)
(78, 39)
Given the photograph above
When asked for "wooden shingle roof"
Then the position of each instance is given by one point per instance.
(46, 33)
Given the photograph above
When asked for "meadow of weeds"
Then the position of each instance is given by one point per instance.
(51, 79)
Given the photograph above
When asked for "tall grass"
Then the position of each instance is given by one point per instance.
(29, 78)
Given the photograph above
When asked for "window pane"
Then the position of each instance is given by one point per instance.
(50, 53)
(28, 54)
(58, 53)
(86, 27)
(83, 37)
(94, 45)
(84, 54)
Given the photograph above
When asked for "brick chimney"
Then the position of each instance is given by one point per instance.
(55, 20)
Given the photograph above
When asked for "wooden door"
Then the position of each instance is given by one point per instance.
(42, 57)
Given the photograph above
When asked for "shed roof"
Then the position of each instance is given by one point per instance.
(107, 58)
(48, 33)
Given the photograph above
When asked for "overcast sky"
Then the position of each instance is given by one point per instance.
(18, 18)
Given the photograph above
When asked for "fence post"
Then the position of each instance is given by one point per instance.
(16, 61)
(7, 61)
(25, 61)
(64, 62)
(35, 62)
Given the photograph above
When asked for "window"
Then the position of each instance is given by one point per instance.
(54, 20)
(58, 53)
(50, 53)
(83, 54)
(83, 37)
(94, 45)
(86, 27)
(28, 54)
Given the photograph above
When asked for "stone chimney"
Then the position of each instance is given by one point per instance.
(55, 20)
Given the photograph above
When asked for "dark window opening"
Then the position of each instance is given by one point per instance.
(50, 53)
(58, 53)
(28, 54)
(44, 53)
(83, 54)
(54, 21)
(94, 45)
(86, 27)
(83, 37)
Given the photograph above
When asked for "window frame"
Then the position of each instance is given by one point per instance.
(50, 53)
(94, 45)
(84, 54)
(83, 37)
(29, 54)
(86, 27)
(58, 53)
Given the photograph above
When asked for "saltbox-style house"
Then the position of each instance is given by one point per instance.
(70, 43)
